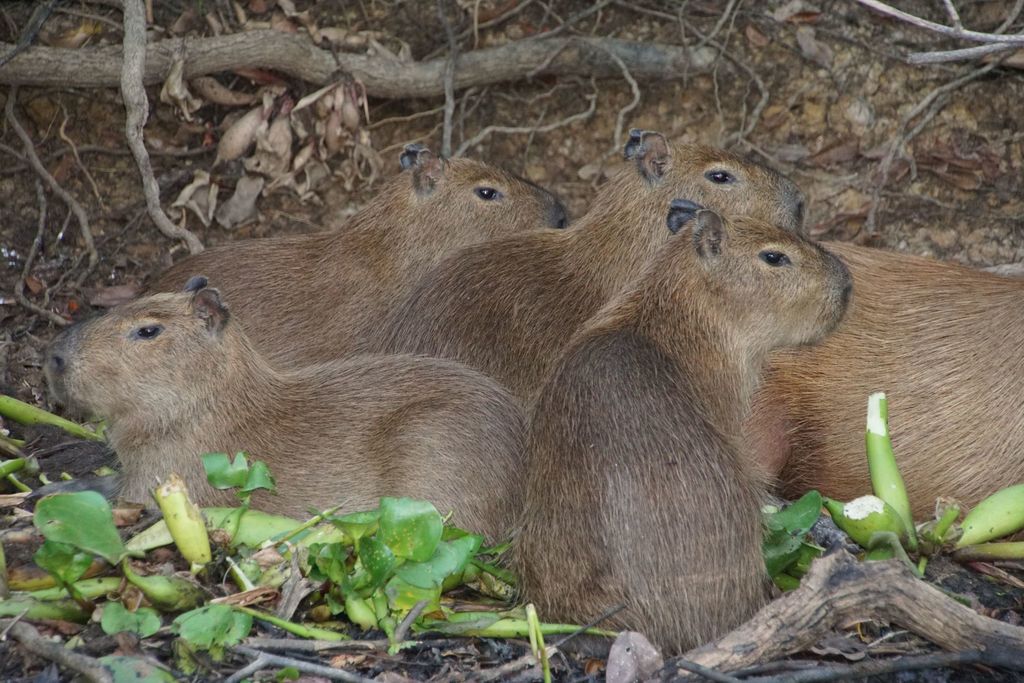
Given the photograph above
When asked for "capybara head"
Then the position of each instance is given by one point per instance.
(776, 287)
(716, 179)
(148, 356)
(481, 194)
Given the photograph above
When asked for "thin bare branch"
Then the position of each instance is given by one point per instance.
(51, 182)
(449, 80)
(952, 32)
(30, 259)
(509, 130)
(136, 106)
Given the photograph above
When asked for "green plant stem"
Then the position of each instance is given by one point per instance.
(520, 628)
(310, 632)
(946, 521)
(89, 589)
(11, 466)
(24, 413)
(990, 552)
(33, 610)
(886, 479)
(9, 446)
(308, 524)
(17, 484)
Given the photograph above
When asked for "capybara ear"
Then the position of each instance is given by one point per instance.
(207, 305)
(650, 151)
(427, 168)
(681, 212)
(708, 234)
(195, 283)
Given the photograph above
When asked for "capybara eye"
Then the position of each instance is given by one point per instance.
(774, 258)
(720, 177)
(147, 332)
(488, 194)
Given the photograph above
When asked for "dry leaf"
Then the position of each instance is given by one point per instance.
(632, 658)
(199, 197)
(812, 48)
(241, 207)
(756, 38)
(175, 92)
(273, 153)
(241, 135)
(783, 13)
(76, 37)
(836, 154)
(212, 90)
(108, 297)
(34, 284)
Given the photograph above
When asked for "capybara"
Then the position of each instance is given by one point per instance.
(321, 292)
(177, 377)
(636, 489)
(944, 342)
(508, 307)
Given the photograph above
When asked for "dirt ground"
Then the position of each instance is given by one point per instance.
(819, 90)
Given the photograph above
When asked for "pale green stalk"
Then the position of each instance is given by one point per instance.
(27, 414)
(886, 479)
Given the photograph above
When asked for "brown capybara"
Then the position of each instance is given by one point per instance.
(176, 377)
(636, 489)
(944, 342)
(507, 307)
(354, 274)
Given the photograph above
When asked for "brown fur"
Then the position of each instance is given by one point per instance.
(944, 342)
(341, 432)
(636, 490)
(354, 274)
(508, 307)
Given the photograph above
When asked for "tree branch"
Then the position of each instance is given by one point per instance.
(297, 56)
(839, 590)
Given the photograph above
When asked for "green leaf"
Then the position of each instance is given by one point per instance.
(135, 670)
(259, 478)
(213, 628)
(81, 519)
(289, 673)
(799, 517)
(144, 621)
(330, 562)
(224, 473)
(411, 528)
(358, 524)
(449, 558)
(780, 551)
(64, 562)
(377, 560)
(403, 596)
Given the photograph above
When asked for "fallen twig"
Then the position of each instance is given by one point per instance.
(29, 637)
(995, 42)
(306, 667)
(839, 590)
(929, 106)
(876, 667)
(489, 130)
(39, 16)
(403, 628)
(136, 107)
(33, 159)
(37, 244)
(297, 56)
